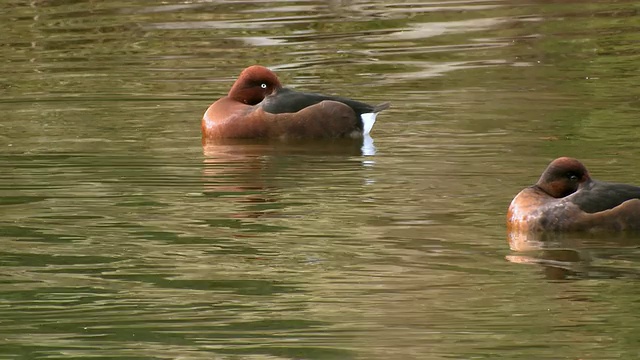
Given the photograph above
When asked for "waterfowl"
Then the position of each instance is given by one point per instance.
(566, 198)
(258, 106)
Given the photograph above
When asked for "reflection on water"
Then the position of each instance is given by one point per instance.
(580, 255)
(123, 236)
(245, 169)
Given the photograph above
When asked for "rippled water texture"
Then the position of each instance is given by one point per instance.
(124, 237)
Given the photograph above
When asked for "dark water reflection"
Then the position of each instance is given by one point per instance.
(123, 236)
(571, 256)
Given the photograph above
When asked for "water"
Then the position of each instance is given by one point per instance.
(123, 236)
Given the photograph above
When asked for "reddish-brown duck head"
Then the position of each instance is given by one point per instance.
(563, 177)
(254, 84)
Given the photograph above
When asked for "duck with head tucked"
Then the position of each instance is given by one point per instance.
(258, 106)
(566, 198)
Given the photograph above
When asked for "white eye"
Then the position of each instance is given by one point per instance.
(264, 86)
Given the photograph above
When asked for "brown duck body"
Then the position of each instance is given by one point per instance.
(565, 198)
(257, 106)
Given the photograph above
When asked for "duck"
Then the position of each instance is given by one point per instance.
(258, 106)
(567, 199)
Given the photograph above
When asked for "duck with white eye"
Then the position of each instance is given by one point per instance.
(259, 106)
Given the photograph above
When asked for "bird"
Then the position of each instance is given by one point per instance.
(258, 106)
(567, 199)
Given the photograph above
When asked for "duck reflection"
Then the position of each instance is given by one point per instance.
(242, 148)
(574, 255)
(258, 172)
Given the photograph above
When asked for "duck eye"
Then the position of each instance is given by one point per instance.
(263, 85)
(573, 177)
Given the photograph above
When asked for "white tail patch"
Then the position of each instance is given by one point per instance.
(368, 149)
(368, 119)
